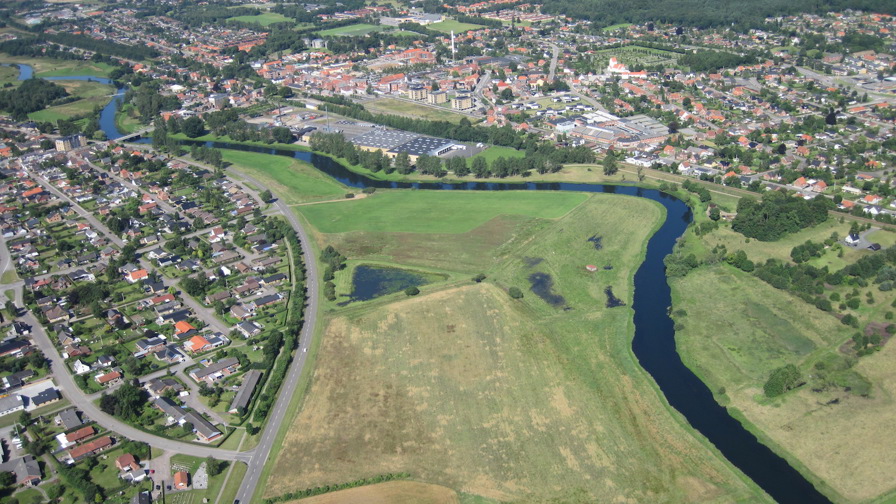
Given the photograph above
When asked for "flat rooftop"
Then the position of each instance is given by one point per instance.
(384, 139)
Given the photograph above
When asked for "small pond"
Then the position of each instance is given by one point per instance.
(370, 281)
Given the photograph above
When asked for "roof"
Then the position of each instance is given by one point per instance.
(198, 343)
(106, 378)
(88, 448)
(83, 433)
(384, 139)
(202, 426)
(69, 418)
(169, 407)
(216, 367)
(183, 326)
(10, 403)
(250, 380)
(181, 478)
(424, 145)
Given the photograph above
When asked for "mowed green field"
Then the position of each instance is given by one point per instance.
(511, 400)
(263, 19)
(291, 180)
(436, 211)
(456, 26)
(92, 94)
(495, 151)
(351, 30)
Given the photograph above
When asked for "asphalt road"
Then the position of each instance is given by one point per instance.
(260, 457)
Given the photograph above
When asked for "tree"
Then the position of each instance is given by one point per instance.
(515, 292)
(402, 163)
(609, 164)
(215, 466)
(412, 291)
(782, 149)
(193, 127)
(7, 479)
(266, 196)
(714, 213)
(831, 118)
(281, 135)
(781, 380)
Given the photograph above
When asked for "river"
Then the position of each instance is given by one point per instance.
(654, 340)
(107, 116)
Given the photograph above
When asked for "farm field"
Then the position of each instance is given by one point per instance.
(456, 26)
(404, 108)
(436, 212)
(829, 434)
(295, 181)
(351, 30)
(391, 492)
(509, 400)
(92, 94)
(263, 19)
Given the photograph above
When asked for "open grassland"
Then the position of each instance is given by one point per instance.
(47, 67)
(8, 75)
(451, 25)
(392, 492)
(351, 30)
(293, 180)
(495, 151)
(91, 94)
(832, 435)
(125, 121)
(512, 400)
(409, 109)
(436, 211)
(263, 19)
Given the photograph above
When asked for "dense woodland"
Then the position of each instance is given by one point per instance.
(31, 96)
(777, 215)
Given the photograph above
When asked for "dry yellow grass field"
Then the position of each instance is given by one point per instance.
(392, 492)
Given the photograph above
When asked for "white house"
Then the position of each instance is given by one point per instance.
(80, 368)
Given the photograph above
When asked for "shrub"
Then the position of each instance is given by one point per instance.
(515, 292)
(781, 380)
(412, 291)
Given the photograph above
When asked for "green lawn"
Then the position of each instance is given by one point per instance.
(9, 276)
(78, 68)
(290, 179)
(436, 212)
(264, 19)
(617, 26)
(351, 30)
(233, 482)
(455, 26)
(125, 122)
(494, 152)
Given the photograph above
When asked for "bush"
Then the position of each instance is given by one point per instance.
(478, 278)
(781, 380)
(412, 291)
(515, 293)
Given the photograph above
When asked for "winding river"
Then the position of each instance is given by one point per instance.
(654, 340)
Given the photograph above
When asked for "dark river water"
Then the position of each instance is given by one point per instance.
(654, 340)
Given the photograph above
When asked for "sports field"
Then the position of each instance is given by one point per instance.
(263, 19)
(456, 26)
(292, 180)
(436, 212)
(351, 30)
(511, 400)
(91, 94)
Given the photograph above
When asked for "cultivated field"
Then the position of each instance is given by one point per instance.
(512, 400)
(351, 30)
(456, 26)
(293, 180)
(418, 111)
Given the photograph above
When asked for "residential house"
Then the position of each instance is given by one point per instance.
(87, 449)
(26, 470)
(216, 371)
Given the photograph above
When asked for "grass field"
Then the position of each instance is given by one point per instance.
(496, 151)
(47, 67)
(351, 30)
(616, 26)
(292, 180)
(435, 212)
(263, 19)
(832, 434)
(92, 94)
(125, 122)
(455, 26)
(509, 400)
(415, 110)
(8, 74)
(392, 492)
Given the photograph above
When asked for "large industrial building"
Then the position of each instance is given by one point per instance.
(393, 142)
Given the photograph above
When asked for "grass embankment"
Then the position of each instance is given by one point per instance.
(292, 180)
(90, 94)
(735, 329)
(414, 110)
(507, 399)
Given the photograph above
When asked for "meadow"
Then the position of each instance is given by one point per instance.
(47, 67)
(497, 398)
(451, 25)
(293, 180)
(392, 492)
(351, 30)
(91, 94)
